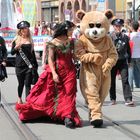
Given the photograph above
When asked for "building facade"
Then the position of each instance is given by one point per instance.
(133, 9)
(52, 10)
(68, 8)
(49, 10)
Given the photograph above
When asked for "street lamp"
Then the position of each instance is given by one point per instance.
(133, 9)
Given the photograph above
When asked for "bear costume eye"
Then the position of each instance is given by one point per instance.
(98, 25)
(91, 25)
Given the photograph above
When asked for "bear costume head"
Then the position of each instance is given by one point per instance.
(95, 25)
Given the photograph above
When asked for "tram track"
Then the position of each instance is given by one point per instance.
(115, 124)
(26, 134)
(22, 129)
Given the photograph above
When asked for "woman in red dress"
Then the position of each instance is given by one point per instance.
(54, 94)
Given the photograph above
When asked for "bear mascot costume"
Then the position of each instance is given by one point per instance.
(98, 55)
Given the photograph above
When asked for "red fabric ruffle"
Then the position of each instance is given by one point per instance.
(49, 99)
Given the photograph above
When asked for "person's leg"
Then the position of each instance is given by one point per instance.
(20, 79)
(28, 80)
(125, 84)
(113, 85)
(66, 100)
(130, 76)
(137, 72)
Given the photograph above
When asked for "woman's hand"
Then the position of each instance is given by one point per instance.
(3, 63)
(43, 66)
(18, 46)
(56, 77)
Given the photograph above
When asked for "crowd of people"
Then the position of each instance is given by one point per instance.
(43, 28)
(56, 85)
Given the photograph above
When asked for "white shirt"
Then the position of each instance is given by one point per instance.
(76, 33)
(135, 38)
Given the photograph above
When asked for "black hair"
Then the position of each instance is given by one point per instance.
(0, 24)
(135, 25)
(62, 28)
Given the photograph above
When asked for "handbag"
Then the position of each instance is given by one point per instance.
(3, 73)
(34, 72)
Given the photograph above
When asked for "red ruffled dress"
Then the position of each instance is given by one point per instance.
(56, 100)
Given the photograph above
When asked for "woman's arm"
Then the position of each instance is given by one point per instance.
(44, 55)
(52, 65)
(15, 48)
(34, 57)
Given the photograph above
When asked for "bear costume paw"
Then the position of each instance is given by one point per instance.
(97, 123)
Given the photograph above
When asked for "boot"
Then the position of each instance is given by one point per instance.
(68, 123)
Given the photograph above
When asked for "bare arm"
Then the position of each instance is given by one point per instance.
(44, 55)
(52, 65)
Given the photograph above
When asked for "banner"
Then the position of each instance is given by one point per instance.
(38, 42)
(29, 11)
(18, 10)
(7, 14)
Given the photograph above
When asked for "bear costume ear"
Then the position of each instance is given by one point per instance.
(80, 14)
(109, 13)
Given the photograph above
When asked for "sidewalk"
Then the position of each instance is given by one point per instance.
(7, 131)
(128, 117)
(119, 114)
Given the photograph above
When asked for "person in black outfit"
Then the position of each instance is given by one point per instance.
(23, 41)
(3, 51)
(3, 57)
(121, 42)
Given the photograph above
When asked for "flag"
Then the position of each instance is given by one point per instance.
(29, 11)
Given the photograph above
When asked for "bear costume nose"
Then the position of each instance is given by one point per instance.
(94, 32)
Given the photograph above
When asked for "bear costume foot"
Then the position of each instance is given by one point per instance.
(97, 123)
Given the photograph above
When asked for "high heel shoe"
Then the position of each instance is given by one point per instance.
(20, 101)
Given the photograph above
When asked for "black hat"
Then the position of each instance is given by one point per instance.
(23, 24)
(117, 21)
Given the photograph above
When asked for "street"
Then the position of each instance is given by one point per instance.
(120, 122)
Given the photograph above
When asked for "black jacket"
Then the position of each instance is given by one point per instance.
(3, 50)
(121, 42)
(30, 54)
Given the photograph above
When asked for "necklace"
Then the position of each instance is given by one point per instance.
(63, 46)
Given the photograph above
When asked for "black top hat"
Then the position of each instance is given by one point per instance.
(117, 21)
(23, 24)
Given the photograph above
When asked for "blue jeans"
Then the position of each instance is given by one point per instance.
(131, 76)
(136, 71)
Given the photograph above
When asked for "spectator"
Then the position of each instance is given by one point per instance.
(3, 55)
(135, 38)
(121, 42)
(23, 42)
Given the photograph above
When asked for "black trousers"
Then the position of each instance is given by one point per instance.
(24, 78)
(122, 67)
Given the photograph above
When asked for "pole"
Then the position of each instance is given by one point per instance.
(133, 11)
